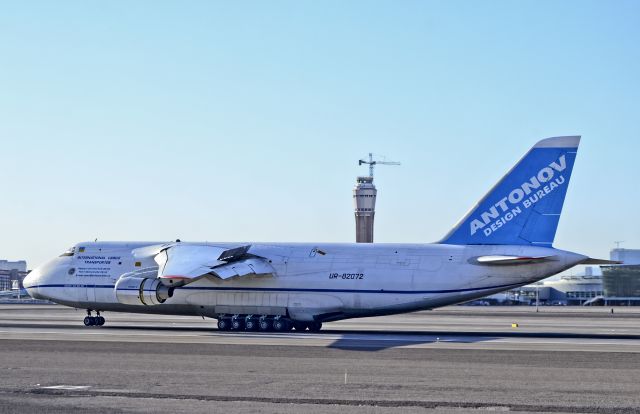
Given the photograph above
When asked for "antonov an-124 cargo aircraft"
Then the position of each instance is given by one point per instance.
(503, 242)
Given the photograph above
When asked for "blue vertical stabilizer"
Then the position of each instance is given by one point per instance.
(524, 207)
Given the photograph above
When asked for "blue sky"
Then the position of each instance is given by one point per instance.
(229, 121)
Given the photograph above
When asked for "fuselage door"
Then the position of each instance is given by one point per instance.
(91, 292)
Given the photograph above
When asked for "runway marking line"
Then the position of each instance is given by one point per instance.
(68, 387)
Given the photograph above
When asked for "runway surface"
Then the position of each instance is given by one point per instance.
(456, 359)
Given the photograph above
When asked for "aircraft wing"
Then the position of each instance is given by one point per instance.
(184, 263)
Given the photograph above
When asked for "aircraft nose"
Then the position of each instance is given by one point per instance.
(44, 282)
(37, 281)
(30, 283)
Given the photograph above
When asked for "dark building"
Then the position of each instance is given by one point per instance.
(621, 283)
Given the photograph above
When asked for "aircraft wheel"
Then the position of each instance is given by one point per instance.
(280, 325)
(315, 326)
(237, 324)
(251, 324)
(224, 324)
(100, 321)
(299, 326)
(265, 324)
(89, 321)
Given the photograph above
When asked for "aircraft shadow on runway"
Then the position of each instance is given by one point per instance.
(413, 337)
(348, 343)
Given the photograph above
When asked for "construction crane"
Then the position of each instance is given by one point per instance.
(372, 163)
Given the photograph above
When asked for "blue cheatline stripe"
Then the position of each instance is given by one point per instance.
(71, 285)
(248, 289)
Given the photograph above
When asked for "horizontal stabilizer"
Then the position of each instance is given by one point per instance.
(511, 260)
(590, 261)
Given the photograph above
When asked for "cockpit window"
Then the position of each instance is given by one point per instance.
(69, 252)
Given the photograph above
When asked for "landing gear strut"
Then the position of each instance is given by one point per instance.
(93, 320)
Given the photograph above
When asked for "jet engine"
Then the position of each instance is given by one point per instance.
(142, 291)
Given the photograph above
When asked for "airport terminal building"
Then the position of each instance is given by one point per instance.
(568, 290)
(618, 285)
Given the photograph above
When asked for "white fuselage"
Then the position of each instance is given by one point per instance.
(320, 282)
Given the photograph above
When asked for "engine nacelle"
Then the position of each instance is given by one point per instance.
(142, 291)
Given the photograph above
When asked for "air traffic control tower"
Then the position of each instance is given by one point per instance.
(364, 200)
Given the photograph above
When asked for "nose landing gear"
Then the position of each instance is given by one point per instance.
(93, 320)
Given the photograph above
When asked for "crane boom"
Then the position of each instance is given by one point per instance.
(372, 163)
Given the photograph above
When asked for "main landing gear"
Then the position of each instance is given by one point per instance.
(264, 323)
(93, 320)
